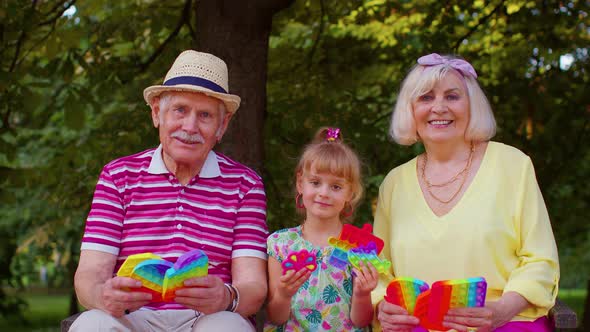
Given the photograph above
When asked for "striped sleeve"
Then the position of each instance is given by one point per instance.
(104, 224)
(250, 229)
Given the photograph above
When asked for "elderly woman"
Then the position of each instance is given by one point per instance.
(466, 207)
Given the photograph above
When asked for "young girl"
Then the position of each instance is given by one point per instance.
(327, 299)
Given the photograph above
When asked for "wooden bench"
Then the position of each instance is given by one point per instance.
(562, 317)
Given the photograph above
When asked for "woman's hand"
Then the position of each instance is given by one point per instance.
(466, 319)
(290, 282)
(395, 318)
(365, 279)
(488, 318)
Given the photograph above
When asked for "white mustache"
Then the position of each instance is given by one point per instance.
(184, 136)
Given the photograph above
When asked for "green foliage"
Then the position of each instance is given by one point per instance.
(70, 101)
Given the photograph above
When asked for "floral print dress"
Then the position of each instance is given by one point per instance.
(323, 302)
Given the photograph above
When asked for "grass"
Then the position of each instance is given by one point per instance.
(44, 314)
(46, 311)
(574, 298)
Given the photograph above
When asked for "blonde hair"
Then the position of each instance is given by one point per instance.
(333, 157)
(420, 80)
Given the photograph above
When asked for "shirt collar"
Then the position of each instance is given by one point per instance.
(210, 168)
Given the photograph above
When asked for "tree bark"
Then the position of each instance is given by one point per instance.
(237, 31)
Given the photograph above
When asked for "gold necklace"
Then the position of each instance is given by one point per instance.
(464, 171)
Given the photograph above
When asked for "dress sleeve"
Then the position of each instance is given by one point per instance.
(382, 229)
(537, 275)
(276, 245)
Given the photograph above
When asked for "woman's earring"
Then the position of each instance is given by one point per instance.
(347, 211)
(299, 201)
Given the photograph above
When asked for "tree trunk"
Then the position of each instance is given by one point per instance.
(237, 31)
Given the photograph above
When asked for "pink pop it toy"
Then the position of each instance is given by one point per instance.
(299, 260)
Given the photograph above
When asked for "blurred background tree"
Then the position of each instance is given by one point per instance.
(72, 75)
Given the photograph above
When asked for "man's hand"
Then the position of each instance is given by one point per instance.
(118, 296)
(96, 287)
(205, 294)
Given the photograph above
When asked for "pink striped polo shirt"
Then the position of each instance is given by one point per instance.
(139, 206)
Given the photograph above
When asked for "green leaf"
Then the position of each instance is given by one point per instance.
(348, 286)
(74, 113)
(123, 49)
(330, 294)
(305, 284)
(52, 47)
(31, 100)
(512, 8)
(314, 317)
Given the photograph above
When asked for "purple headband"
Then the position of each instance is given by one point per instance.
(332, 134)
(433, 59)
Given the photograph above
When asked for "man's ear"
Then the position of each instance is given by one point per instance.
(155, 106)
(224, 125)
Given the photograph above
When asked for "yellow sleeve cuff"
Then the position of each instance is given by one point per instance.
(541, 298)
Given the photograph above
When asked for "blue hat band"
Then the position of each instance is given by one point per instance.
(197, 81)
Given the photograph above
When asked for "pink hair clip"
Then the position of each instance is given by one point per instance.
(332, 134)
(462, 66)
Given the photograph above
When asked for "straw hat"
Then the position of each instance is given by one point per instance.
(194, 71)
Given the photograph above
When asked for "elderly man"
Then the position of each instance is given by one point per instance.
(172, 199)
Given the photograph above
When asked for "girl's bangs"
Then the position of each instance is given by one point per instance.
(329, 161)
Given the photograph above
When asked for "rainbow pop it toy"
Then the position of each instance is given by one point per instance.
(299, 260)
(162, 278)
(353, 237)
(431, 305)
(339, 258)
(357, 244)
(368, 254)
(404, 292)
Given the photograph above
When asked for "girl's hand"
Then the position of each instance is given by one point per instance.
(290, 282)
(395, 318)
(364, 279)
